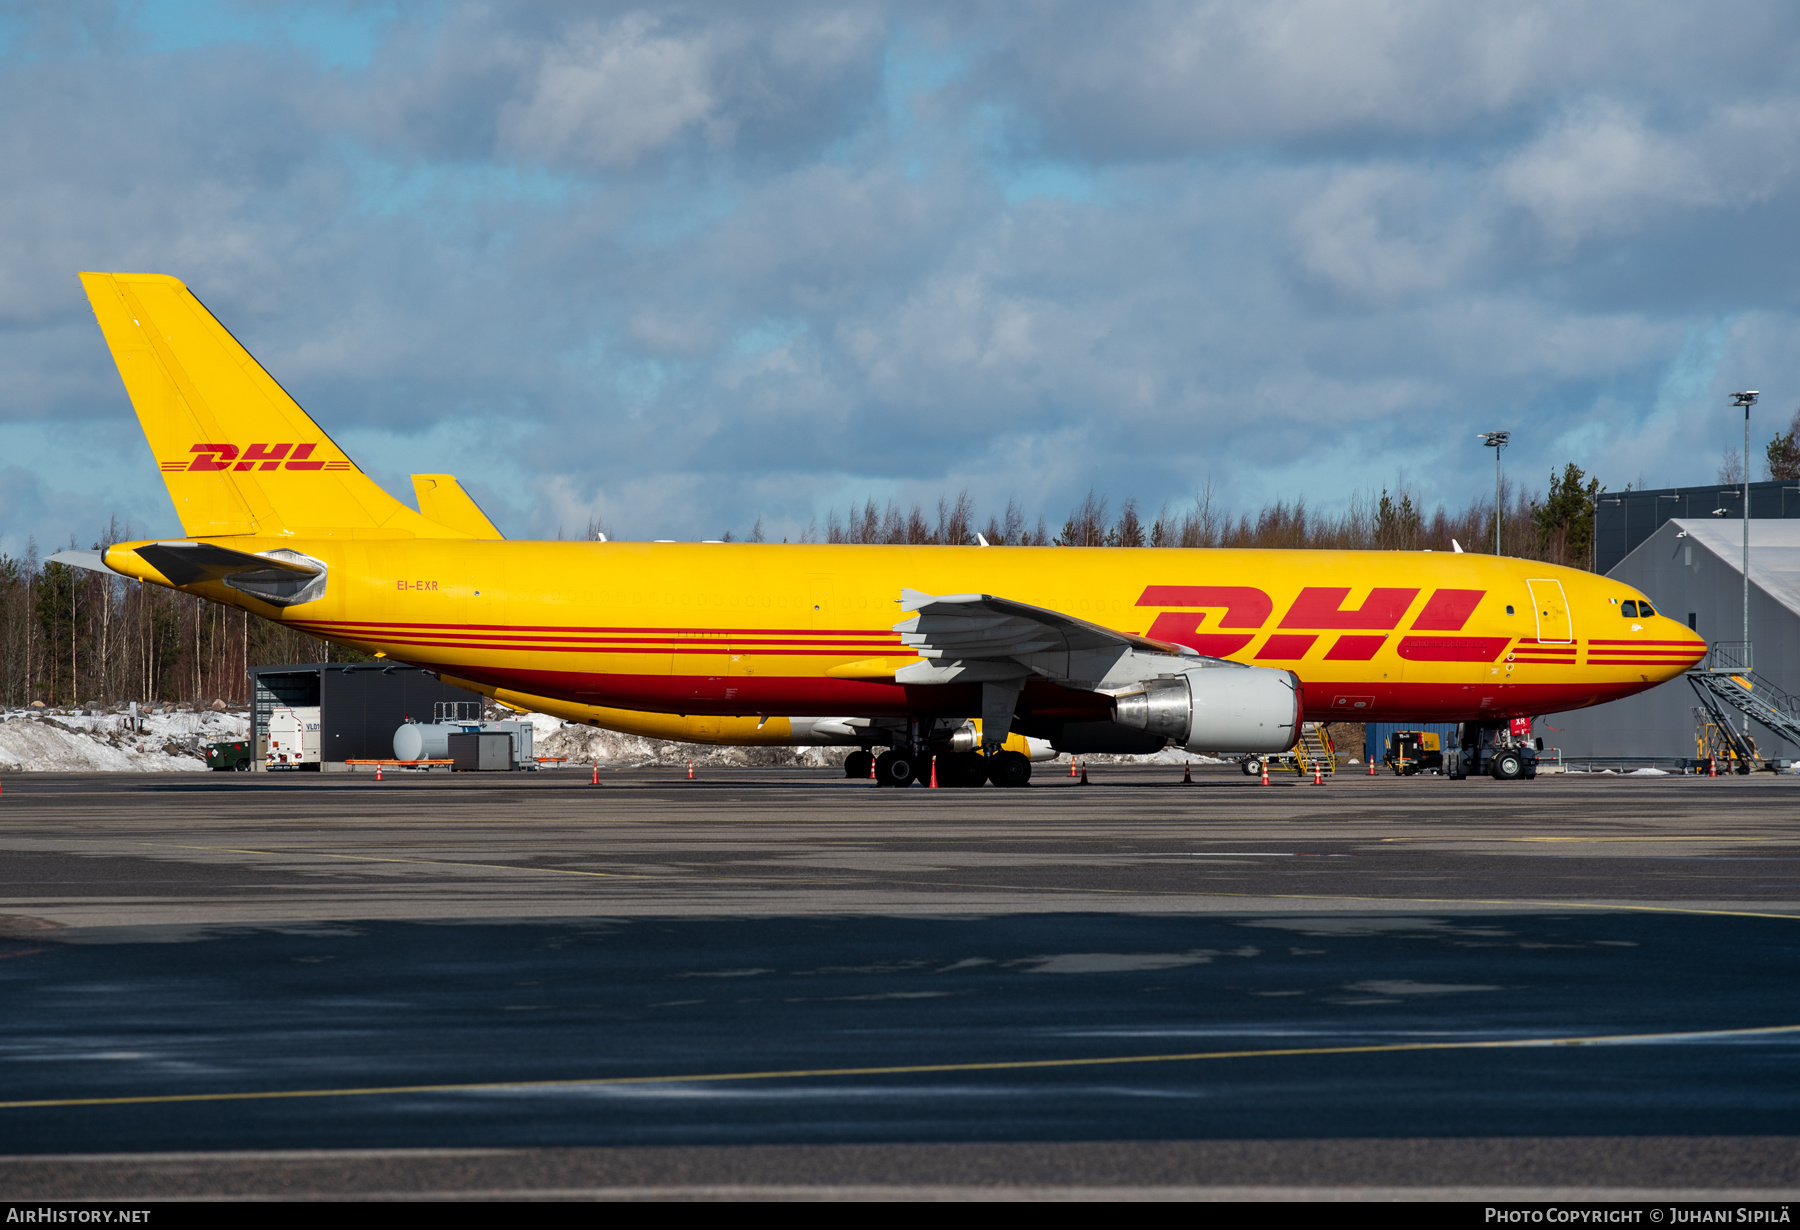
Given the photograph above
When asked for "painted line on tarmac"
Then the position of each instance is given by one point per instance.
(423, 862)
(1394, 901)
(922, 1069)
(1580, 840)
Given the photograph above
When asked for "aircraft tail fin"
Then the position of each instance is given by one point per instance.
(238, 454)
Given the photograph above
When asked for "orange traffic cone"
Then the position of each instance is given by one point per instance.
(1084, 780)
(871, 768)
(1265, 765)
(596, 780)
(1318, 774)
(934, 784)
(690, 770)
(1712, 766)
(1187, 775)
(377, 772)
(1071, 766)
(1371, 768)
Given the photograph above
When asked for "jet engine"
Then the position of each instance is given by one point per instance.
(1241, 709)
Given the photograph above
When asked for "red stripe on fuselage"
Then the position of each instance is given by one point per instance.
(789, 695)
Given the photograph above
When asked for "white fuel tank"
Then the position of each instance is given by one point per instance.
(431, 740)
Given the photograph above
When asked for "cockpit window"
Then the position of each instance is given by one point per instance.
(1628, 610)
(1644, 611)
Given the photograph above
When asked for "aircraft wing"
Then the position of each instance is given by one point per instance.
(981, 638)
(986, 628)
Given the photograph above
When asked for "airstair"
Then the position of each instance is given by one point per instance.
(1315, 747)
(1726, 683)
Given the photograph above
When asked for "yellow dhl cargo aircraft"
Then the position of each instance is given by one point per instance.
(1091, 649)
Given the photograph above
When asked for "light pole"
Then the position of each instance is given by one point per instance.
(1600, 497)
(1496, 440)
(1746, 400)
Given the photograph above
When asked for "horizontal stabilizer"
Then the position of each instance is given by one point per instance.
(93, 561)
(280, 578)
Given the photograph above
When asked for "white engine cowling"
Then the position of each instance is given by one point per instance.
(1221, 709)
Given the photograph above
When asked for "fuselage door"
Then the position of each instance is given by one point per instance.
(1552, 609)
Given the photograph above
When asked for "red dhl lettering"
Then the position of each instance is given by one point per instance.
(1317, 607)
(219, 457)
(1285, 647)
(1322, 607)
(1447, 610)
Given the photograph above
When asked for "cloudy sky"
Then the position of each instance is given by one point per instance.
(681, 267)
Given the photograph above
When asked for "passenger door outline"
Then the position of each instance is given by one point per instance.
(1551, 608)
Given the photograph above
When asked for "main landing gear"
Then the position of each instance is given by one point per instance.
(1491, 748)
(900, 767)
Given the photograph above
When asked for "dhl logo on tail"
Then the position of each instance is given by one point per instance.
(218, 457)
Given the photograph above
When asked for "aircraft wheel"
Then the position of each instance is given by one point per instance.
(962, 769)
(857, 764)
(1508, 767)
(1251, 767)
(895, 768)
(1009, 769)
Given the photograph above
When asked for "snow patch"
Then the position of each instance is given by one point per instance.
(580, 744)
(89, 741)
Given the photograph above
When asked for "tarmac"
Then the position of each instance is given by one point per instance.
(785, 984)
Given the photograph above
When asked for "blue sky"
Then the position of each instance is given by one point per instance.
(683, 267)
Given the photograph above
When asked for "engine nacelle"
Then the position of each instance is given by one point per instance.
(1247, 709)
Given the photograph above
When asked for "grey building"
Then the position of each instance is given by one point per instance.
(1691, 569)
(1624, 519)
(360, 704)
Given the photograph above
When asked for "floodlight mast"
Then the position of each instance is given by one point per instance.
(1746, 400)
(1496, 440)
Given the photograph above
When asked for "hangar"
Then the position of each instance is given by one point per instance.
(1691, 568)
(360, 704)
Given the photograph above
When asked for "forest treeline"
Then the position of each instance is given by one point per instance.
(1556, 526)
(69, 636)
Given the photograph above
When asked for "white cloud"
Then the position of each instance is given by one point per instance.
(606, 96)
(1605, 168)
(1381, 232)
(687, 266)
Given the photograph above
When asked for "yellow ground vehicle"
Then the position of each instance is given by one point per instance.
(1410, 752)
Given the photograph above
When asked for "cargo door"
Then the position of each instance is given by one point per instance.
(1552, 610)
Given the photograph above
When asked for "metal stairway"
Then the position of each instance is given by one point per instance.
(1315, 747)
(1726, 682)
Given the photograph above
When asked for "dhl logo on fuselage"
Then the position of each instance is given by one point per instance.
(1363, 629)
(216, 458)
